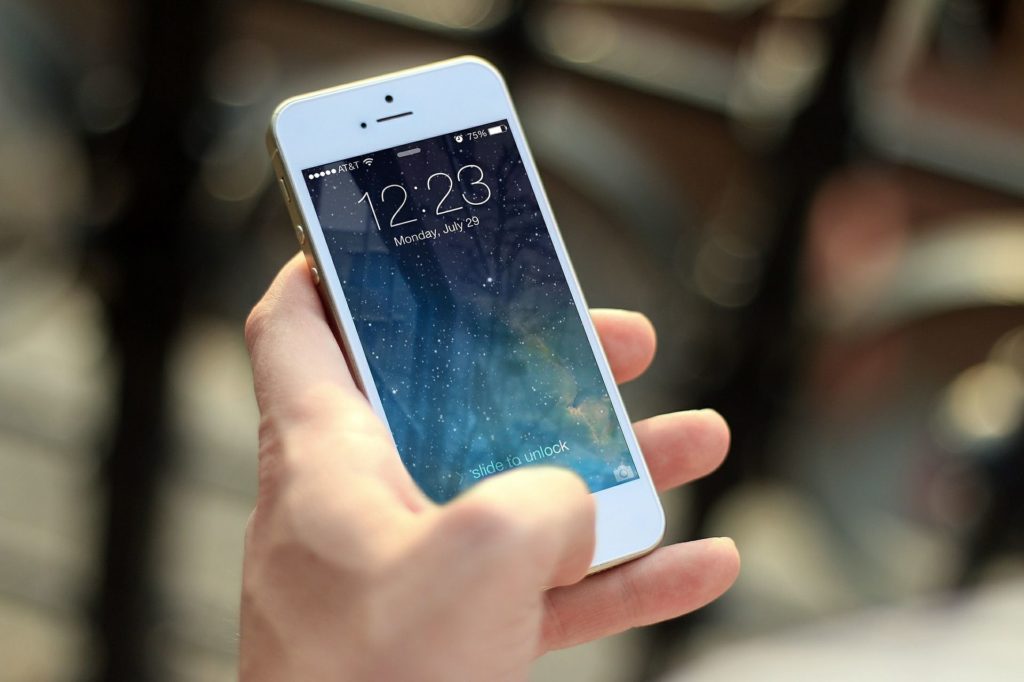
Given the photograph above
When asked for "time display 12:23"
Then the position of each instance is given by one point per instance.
(473, 190)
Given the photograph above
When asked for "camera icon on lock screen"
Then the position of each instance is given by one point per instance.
(623, 472)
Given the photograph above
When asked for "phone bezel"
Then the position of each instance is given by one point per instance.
(325, 126)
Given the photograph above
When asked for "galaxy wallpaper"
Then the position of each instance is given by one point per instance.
(463, 311)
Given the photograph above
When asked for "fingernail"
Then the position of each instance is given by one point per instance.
(729, 542)
(709, 411)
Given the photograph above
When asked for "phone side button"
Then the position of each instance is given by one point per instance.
(315, 274)
(284, 190)
(300, 234)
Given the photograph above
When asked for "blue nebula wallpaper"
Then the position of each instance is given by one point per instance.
(463, 310)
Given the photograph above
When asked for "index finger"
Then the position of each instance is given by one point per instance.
(309, 403)
(292, 346)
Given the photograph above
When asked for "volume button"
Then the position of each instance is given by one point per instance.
(300, 234)
(284, 190)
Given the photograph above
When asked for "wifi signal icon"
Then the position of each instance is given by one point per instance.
(368, 161)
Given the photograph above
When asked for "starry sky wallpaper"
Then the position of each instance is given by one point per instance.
(463, 311)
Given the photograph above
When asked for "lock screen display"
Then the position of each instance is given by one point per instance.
(464, 314)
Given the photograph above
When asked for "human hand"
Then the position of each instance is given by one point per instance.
(352, 573)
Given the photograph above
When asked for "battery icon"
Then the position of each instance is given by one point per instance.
(494, 130)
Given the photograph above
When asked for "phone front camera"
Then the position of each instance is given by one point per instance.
(363, 124)
(389, 99)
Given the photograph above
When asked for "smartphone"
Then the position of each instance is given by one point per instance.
(417, 203)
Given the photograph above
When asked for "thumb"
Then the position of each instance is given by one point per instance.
(544, 513)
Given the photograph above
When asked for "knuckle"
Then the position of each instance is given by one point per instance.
(317, 406)
(293, 510)
(256, 324)
(305, 526)
(482, 522)
(273, 458)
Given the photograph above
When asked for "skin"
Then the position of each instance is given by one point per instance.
(350, 572)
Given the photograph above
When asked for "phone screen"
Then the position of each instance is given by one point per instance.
(463, 311)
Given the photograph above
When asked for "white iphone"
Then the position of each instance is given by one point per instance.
(417, 202)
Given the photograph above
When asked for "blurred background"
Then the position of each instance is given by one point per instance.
(820, 203)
